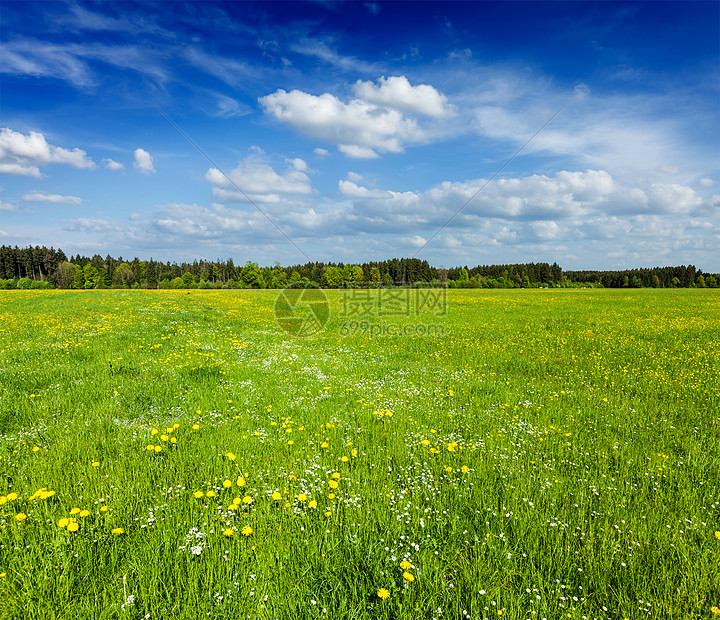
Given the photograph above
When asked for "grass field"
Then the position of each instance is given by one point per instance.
(173, 454)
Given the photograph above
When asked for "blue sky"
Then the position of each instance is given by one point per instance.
(361, 128)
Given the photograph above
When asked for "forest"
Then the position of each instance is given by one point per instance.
(41, 267)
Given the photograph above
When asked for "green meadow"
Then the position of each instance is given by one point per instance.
(523, 455)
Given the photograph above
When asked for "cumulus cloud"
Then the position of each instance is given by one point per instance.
(52, 198)
(397, 92)
(21, 154)
(320, 152)
(85, 224)
(111, 164)
(372, 123)
(707, 182)
(143, 161)
(260, 181)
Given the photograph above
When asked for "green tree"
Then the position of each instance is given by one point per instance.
(123, 276)
(92, 276)
(334, 276)
(65, 275)
(375, 275)
(252, 276)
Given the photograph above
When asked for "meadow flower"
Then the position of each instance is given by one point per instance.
(73, 527)
(198, 494)
(332, 484)
(715, 610)
(63, 522)
(195, 427)
(154, 431)
(96, 464)
(240, 482)
(312, 503)
(405, 565)
(302, 497)
(336, 475)
(12, 496)
(36, 448)
(74, 511)
(344, 459)
(210, 493)
(228, 532)
(247, 530)
(408, 577)
(717, 535)
(117, 531)
(230, 455)
(83, 513)
(276, 496)
(383, 593)
(227, 483)
(21, 516)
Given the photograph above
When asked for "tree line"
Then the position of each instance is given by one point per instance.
(41, 267)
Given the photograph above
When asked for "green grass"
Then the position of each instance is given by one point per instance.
(588, 423)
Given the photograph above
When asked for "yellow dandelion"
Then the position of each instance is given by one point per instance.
(328, 513)
(230, 455)
(408, 577)
(36, 448)
(247, 530)
(717, 535)
(233, 507)
(302, 497)
(104, 509)
(210, 493)
(83, 513)
(227, 483)
(425, 442)
(383, 593)
(158, 448)
(333, 484)
(73, 527)
(405, 565)
(195, 427)
(247, 499)
(117, 531)
(164, 437)
(240, 482)
(173, 439)
(154, 431)
(312, 503)
(324, 444)
(276, 496)
(331, 495)
(63, 522)
(21, 516)
(198, 494)
(344, 459)
(74, 511)
(45, 494)
(715, 610)
(229, 532)
(96, 464)
(465, 469)
(12, 496)
(150, 447)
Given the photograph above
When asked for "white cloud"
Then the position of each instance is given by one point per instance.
(21, 154)
(259, 181)
(396, 92)
(354, 176)
(143, 161)
(360, 127)
(320, 152)
(707, 182)
(8, 207)
(52, 198)
(111, 164)
(357, 152)
(85, 224)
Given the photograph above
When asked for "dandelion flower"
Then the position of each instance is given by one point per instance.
(233, 507)
(173, 439)
(117, 531)
(73, 527)
(83, 513)
(104, 509)
(247, 499)
(408, 576)
(465, 469)
(715, 610)
(324, 444)
(36, 449)
(230, 455)
(344, 459)
(312, 503)
(158, 448)
(227, 483)
(196, 427)
(328, 513)
(96, 464)
(228, 532)
(164, 437)
(405, 565)
(240, 482)
(331, 495)
(74, 511)
(383, 593)
(717, 535)
(302, 497)
(63, 522)
(150, 447)
(333, 484)
(210, 493)
(276, 496)
(154, 431)
(336, 475)
(198, 494)
(247, 530)
(21, 516)
(12, 496)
